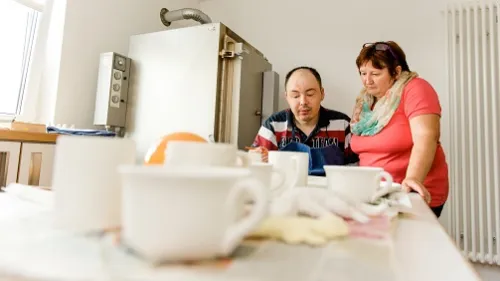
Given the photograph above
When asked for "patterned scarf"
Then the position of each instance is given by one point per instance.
(367, 122)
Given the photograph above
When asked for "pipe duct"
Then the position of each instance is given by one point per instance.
(167, 17)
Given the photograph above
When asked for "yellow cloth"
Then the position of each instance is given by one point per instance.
(302, 230)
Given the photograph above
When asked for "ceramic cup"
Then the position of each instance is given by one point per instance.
(295, 165)
(274, 179)
(178, 213)
(358, 184)
(205, 154)
(85, 181)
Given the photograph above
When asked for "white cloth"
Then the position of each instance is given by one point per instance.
(319, 202)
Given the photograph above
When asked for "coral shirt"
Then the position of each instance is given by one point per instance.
(391, 147)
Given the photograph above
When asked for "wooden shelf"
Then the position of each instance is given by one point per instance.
(25, 136)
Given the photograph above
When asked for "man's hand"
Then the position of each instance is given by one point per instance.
(264, 152)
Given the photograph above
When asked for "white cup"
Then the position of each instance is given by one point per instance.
(357, 184)
(176, 213)
(85, 181)
(205, 154)
(274, 179)
(295, 164)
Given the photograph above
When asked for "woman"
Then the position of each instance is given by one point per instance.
(396, 123)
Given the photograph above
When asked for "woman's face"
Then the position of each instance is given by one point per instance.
(376, 81)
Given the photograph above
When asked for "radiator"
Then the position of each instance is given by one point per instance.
(473, 73)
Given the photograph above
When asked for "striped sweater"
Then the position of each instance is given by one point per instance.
(332, 129)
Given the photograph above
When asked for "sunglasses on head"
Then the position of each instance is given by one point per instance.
(381, 46)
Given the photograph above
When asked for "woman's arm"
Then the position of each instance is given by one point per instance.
(422, 108)
(425, 130)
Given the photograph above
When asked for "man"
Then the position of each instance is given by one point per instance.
(307, 126)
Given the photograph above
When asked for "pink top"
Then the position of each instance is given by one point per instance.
(391, 147)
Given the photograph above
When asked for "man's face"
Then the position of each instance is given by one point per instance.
(304, 95)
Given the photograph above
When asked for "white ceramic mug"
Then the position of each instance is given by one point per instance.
(357, 184)
(272, 178)
(205, 154)
(295, 164)
(176, 213)
(85, 181)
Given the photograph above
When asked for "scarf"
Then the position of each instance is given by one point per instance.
(367, 122)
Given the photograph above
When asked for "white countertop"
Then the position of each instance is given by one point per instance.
(420, 250)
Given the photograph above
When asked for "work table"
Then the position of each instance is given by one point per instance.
(418, 250)
(425, 251)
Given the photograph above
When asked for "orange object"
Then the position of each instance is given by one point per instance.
(156, 154)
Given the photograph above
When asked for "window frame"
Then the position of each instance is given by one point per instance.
(32, 42)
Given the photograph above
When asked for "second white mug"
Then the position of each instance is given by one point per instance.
(205, 154)
(357, 184)
(295, 164)
(274, 179)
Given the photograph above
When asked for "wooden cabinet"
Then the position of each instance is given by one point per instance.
(9, 161)
(35, 164)
(26, 158)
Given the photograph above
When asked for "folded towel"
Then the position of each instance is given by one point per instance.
(79, 132)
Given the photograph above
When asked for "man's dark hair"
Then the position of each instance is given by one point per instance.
(312, 70)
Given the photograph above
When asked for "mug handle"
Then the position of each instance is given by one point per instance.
(237, 232)
(383, 190)
(278, 188)
(244, 158)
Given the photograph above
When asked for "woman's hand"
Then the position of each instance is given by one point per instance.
(412, 184)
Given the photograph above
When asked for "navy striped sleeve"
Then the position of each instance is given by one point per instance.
(272, 131)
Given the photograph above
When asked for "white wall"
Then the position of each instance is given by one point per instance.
(79, 32)
(52, 26)
(329, 34)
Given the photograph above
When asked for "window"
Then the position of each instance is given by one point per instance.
(18, 26)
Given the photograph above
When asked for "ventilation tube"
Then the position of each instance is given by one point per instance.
(167, 17)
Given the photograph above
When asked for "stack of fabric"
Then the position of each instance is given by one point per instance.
(315, 215)
(79, 132)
